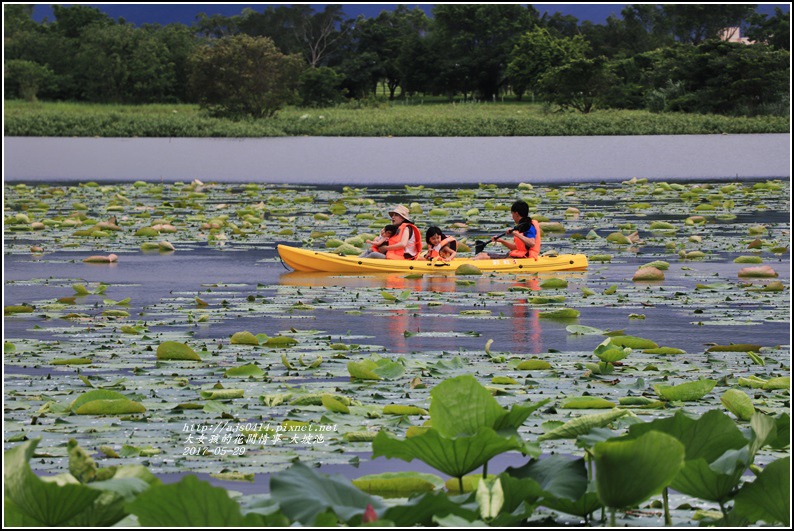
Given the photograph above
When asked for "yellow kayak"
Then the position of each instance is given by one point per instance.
(308, 260)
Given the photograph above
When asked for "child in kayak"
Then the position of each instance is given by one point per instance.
(439, 246)
(377, 246)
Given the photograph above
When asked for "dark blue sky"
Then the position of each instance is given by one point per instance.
(186, 13)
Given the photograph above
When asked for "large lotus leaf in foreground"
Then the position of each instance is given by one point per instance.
(469, 427)
(630, 471)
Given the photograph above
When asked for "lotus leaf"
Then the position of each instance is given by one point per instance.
(636, 401)
(71, 361)
(554, 283)
(222, 394)
(398, 484)
(739, 347)
(503, 380)
(292, 488)
(582, 425)
(360, 436)
(686, 391)
(455, 456)
(546, 300)
(716, 452)
(747, 260)
(98, 394)
(311, 399)
(9, 310)
(110, 407)
(468, 269)
(281, 342)
(630, 471)
(600, 258)
(738, 403)
(583, 330)
(195, 503)
(395, 409)
(533, 365)
(80, 289)
(172, 350)
(244, 338)
(663, 351)
(618, 238)
(587, 402)
(780, 382)
(334, 405)
(61, 500)
(562, 313)
(659, 264)
(244, 371)
(633, 342)
(768, 498)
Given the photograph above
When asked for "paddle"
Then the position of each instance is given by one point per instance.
(479, 246)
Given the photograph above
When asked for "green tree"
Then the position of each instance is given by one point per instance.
(17, 18)
(125, 64)
(244, 76)
(536, 52)
(773, 30)
(580, 84)
(72, 21)
(320, 87)
(473, 43)
(417, 64)
(26, 78)
(386, 36)
(695, 23)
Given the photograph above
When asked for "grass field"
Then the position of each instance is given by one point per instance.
(381, 119)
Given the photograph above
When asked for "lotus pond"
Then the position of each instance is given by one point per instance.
(193, 350)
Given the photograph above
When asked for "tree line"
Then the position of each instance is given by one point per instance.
(667, 57)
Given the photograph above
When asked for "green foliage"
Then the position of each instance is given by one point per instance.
(26, 78)
(293, 487)
(243, 76)
(538, 51)
(83, 120)
(469, 427)
(320, 87)
(580, 84)
(631, 471)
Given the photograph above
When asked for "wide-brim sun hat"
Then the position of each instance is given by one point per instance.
(401, 211)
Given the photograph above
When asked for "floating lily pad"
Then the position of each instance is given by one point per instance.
(244, 371)
(685, 392)
(468, 269)
(587, 402)
(172, 350)
(563, 313)
(222, 394)
(533, 365)
(244, 338)
(110, 407)
(281, 342)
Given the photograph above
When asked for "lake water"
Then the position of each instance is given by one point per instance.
(701, 302)
(398, 161)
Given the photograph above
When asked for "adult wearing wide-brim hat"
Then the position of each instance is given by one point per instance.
(406, 243)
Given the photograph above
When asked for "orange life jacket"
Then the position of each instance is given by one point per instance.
(399, 254)
(432, 252)
(521, 250)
